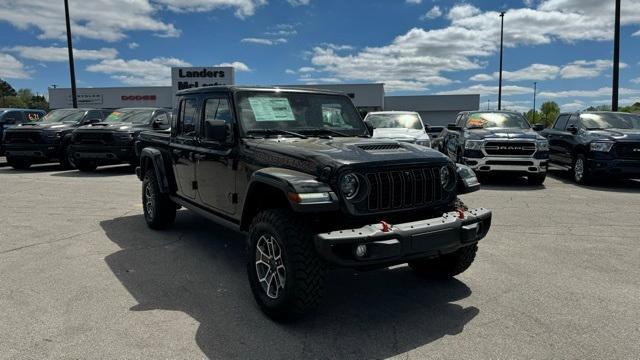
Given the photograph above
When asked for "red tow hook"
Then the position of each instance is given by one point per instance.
(460, 214)
(385, 226)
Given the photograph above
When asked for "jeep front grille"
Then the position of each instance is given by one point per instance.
(88, 138)
(510, 148)
(402, 189)
(629, 151)
(23, 137)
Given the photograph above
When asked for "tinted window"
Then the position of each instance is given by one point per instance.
(610, 121)
(188, 114)
(561, 122)
(405, 121)
(63, 115)
(496, 120)
(12, 117)
(32, 116)
(94, 114)
(573, 121)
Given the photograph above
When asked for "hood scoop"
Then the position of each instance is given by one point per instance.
(381, 147)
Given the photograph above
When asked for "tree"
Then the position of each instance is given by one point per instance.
(6, 89)
(635, 108)
(549, 111)
(537, 119)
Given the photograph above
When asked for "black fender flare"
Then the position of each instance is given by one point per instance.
(287, 182)
(154, 157)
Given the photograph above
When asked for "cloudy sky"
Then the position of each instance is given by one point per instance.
(413, 46)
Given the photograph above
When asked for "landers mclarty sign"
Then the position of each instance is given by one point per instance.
(193, 77)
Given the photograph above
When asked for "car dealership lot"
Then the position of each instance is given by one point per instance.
(83, 277)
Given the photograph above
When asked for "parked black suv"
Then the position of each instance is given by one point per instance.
(10, 117)
(592, 144)
(112, 141)
(496, 141)
(310, 194)
(47, 139)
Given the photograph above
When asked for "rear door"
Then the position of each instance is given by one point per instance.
(184, 146)
(555, 136)
(216, 167)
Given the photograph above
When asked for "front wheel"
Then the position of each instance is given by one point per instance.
(581, 173)
(286, 274)
(18, 164)
(159, 210)
(447, 265)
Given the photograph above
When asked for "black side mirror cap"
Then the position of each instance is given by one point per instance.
(369, 126)
(572, 129)
(538, 127)
(216, 130)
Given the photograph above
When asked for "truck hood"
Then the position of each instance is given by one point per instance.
(401, 134)
(503, 133)
(615, 134)
(41, 126)
(314, 154)
(113, 126)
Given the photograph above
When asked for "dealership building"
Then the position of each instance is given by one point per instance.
(437, 110)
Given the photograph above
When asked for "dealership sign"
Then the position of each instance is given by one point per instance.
(193, 77)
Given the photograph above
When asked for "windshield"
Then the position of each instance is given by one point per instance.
(497, 120)
(610, 121)
(404, 121)
(135, 116)
(63, 115)
(298, 112)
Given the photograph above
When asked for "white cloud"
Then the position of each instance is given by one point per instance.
(434, 13)
(59, 54)
(532, 72)
(636, 80)
(306, 69)
(133, 45)
(243, 8)
(573, 106)
(414, 2)
(462, 11)
(298, 2)
(290, 72)
(482, 77)
(637, 33)
(239, 66)
(263, 41)
(489, 90)
(153, 72)
(603, 91)
(319, 80)
(586, 69)
(12, 68)
(336, 47)
(107, 20)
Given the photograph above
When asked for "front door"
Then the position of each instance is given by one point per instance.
(183, 147)
(216, 168)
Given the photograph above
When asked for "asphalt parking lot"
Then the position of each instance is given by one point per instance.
(82, 277)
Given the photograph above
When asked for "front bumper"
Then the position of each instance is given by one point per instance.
(616, 167)
(103, 154)
(404, 242)
(528, 165)
(40, 152)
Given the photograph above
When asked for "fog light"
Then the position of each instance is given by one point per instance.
(361, 250)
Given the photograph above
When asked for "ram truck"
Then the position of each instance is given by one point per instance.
(309, 194)
(112, 141)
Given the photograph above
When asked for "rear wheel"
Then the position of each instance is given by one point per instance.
(536, 179)
(18, 163)
(159, 210)
(286, 274)
(447, 265)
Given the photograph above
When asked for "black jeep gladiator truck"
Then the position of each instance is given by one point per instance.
(112, 141)
(596, 144)
(310, 194)
(47, 140)
(496, 142)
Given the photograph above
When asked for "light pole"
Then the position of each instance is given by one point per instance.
(616, 60)
(535, 84)
(501, 44)
(72, 69)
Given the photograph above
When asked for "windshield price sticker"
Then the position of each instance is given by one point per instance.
(271, 109)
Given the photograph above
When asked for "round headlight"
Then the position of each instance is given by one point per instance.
(447, 179)
(349, 186)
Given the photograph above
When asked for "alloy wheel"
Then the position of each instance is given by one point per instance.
(148, 199)
(578, 170)
(270, 267)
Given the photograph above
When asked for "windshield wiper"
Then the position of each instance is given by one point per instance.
(276, 132)
(326, 131)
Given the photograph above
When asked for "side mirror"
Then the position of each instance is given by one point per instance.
(538, 127)
(453, 127)
(159, 124)
(572, 129)
(216, 130)
(467, 180)
(369, 126)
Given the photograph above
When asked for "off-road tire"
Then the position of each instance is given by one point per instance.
(536, 179)
(159, 210)
(66, 159)
(305, 271)
(447, 265)
(581, 177)
(18, 164)
(86, 166)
